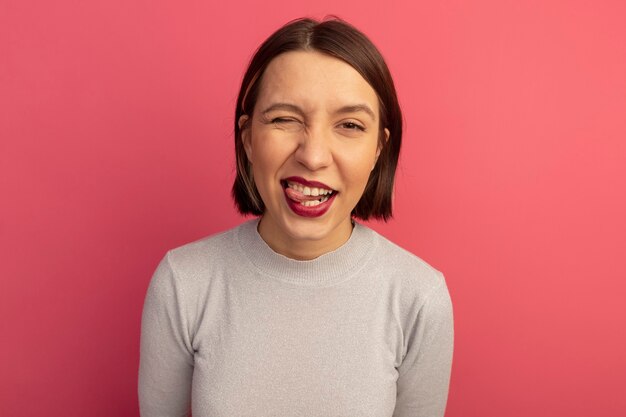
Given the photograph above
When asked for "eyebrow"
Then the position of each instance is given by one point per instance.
(283, 106)
(354, 108)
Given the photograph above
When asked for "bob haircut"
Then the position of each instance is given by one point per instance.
(341, 40)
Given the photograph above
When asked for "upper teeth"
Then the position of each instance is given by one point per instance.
(314, 191)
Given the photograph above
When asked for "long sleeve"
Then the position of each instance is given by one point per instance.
(166, 356)
(424, 375)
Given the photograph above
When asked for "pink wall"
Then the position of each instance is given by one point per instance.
(115, 127)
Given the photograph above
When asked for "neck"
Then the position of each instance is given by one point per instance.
(304, 249)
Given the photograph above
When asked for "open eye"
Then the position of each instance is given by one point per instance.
(352, 126)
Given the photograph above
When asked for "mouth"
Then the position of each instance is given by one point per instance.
(308, 198)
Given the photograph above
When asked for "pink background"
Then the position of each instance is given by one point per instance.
(116, 145)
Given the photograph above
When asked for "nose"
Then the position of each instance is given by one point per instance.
(314, 150)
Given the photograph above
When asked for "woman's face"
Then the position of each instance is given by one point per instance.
(312, 143)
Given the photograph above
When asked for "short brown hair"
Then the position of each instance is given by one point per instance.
(341, 40)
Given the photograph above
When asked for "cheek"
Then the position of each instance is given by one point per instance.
(264, 158)
(267, 156)
(356, 174)
(358, 166)
(255, 148)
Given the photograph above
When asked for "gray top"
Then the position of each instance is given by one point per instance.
(230, 328)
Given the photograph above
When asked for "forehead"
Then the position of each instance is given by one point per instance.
(314, 81)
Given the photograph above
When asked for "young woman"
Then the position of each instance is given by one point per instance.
(302, 311)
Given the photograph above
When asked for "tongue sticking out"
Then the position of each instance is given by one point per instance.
(298, 196)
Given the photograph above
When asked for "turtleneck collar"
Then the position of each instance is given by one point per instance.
(328, 269)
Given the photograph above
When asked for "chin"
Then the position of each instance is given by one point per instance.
(311, 229)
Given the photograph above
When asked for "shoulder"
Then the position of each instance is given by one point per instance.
(400, 262)
(209, 250)
(191, 275)
(409, 274)
(417, 288)
(201, 258)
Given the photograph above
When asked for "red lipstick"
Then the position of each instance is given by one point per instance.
(307, 183)
(295, 198)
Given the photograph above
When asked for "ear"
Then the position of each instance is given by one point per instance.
(380, 147)
(245, 135)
